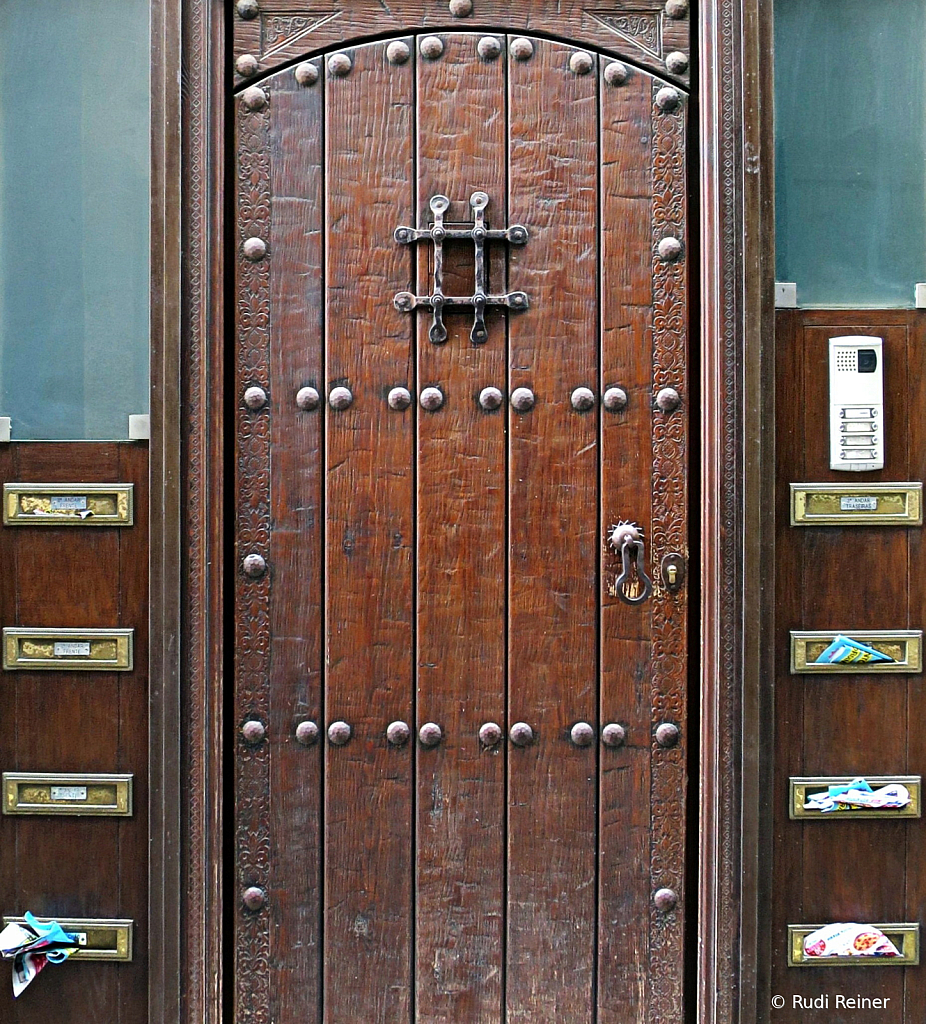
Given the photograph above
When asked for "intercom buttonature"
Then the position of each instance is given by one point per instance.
(856, 404)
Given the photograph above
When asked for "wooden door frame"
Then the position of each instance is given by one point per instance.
(733, 86)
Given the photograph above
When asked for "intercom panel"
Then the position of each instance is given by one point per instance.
(856, 404)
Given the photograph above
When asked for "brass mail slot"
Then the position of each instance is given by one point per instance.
(802, 788)
(906, 937)
(100, 938)
(861, 505)
(905, 646)
(107, 796)
(68, 504)
(97, 650)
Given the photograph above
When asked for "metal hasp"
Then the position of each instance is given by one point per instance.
(405, 302)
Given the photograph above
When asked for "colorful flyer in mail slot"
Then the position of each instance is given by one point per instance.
(845, 650)
(31, 946)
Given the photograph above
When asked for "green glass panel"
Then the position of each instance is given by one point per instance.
(74, 215)
(850, 150)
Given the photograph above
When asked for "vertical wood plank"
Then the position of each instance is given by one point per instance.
(461, 561)
(554, 540)
(369, 543)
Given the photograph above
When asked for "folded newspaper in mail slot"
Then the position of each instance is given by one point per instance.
(31, 946)
(858, 794)
(845, 650)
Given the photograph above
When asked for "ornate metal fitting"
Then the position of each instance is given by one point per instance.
(437, 233)
(632, 585)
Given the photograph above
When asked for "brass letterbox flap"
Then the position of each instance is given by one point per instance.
(69, 793)
(60, 649)
(862, 504)
(906, 937)
(801, 787)
(70, 504)
(903, 646)
(100, 938)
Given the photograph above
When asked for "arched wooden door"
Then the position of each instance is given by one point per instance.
(460, 768)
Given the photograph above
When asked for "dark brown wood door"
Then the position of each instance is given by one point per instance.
(423, 539)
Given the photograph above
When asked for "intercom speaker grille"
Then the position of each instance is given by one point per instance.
(847, 360)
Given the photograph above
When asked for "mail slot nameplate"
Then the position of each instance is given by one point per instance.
(871, 504)
(802, 788)
(68, 504)
(97, 650)
(99, 939)
(108, 796)
(906, 937)
(904, 646)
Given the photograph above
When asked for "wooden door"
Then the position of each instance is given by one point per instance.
(460, 752)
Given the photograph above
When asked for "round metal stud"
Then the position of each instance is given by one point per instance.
(490, 398)
(614, 399)
(398, 52)
(339, 64)
(668, 99)
(306, 73)
(521, 734)
(340, 398)
(677, 8)
(307, 399)
(667, 734)
(522, 399)
(489, 47)
(255, 398)
(399, 398)
(668, 399)
(582, 734)
(253, 731)
(307, 733)
(431, 399)
(254, 249)
(461, 8)
(521, 48)
(490, 734)
(616, 73)
(254, 98)
(432, 47)
(338, 733)
(430, 734)
(580, 63)
(583, 399)
(254, 897)
(669, 249)
(665, 899)
(247, 65)
(247, 9)
(397, 733)
(613, 735)
(254, 566)
(677, 62)
(623, 532)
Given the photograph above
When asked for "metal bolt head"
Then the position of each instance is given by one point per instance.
(340, 398)
(522, 399)
(397, 733)
(254, 98)
(614, 399)
(665, 899)
(490, 398)
(432, 47)
(489, 47)
(669, 249)
(254, 897)
(430, 734)
(340, 64)
(583, 399)
(677, 62)
(521, 734)
(307, 733)
(616, 73)
(490, 734)
(461, 8)
(255, 398)
(676, 8)
(431, 399)
(399, 398)
(668, 98)
(580, 63)
(338, 733)
(398, 52)
(667, 734)
(254, 565)
(247, 9)
(622, 533)
(521, 48)
(247, 65)
(582, 734)
(253, 731)
(306, 73)
(613, 735)
(307, 399)
(254, 249)
(668, 399)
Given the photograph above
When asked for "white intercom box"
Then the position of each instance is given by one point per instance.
(856, 404)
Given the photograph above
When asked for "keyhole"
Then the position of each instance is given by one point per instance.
(673, 575)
